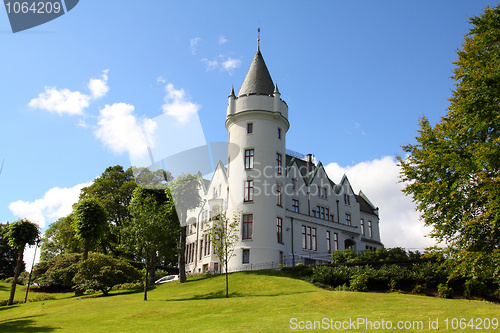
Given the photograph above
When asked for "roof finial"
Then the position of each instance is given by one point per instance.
(258, 38)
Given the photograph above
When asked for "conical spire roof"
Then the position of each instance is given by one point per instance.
(258, 80)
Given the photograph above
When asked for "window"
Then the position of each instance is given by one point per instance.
(328, 242)
(279, 133)
(278, 163)
(294, 183)
(209, 244)
(295, 205)
(331, 218)
(279, 224)
(314, 241)
(327, 213)
(246, 256)
(336, 241)
(247, 226)
(347, 219)
(250, 128)
(362, 227)
(370, 230)
(309, 240)
(304, 236)
(323, 213)
(347, 199)
(201, 249)
(278, 195)
(249, 153)
(248, 191)
(322, 192)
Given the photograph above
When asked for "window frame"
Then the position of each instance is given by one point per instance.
(247, 256)
(279, 226)
(249, 191)
(247, 227)
(249, 158)
(279, 163)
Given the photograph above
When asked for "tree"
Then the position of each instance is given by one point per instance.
(8, 255)
(56, 274)
(114, 190)
(223, 233)
(154, 229)
(101, 272)
(453, 171)
(185, 192)
(60, 237)
(21, 232)
(90, 222)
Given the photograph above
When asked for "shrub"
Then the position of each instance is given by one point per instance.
(359, 282)
(419, 289)
(100, 272)
(474, 288)
(444, 291)
(331, 276)
(57, 273)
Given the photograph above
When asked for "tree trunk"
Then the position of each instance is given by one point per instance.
(152, 274)
(86, 249)
(16, 275)
(146, 283)
(182, 256)
(227, 284)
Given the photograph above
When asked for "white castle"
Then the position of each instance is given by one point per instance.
(289, 210)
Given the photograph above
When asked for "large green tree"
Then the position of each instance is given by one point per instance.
(453, 171)
(186, 195)
(8, 254)
(60, 237)
(21, 233)
(114, 189)
(154, 229)
(90, 222)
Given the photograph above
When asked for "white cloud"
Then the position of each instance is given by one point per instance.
(99, 87)
(222, 39)
(229, 64)
(177, 105)
(161, 79)
(211, 64)
(121, 131)
(61, 101)
(65, 101)
(223, 63)
(379, 180)
(55, 203)
(194, 43)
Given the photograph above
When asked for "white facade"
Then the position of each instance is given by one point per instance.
(289, 210)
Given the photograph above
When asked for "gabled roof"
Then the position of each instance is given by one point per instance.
(365, 205)
(258, 80)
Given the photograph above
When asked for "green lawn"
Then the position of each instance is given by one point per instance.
(260, 302)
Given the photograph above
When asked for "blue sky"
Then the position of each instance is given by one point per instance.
(356, 76)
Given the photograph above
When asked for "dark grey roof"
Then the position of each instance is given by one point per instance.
(258, 80)
(364, 206)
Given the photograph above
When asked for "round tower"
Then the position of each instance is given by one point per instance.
(257, 122)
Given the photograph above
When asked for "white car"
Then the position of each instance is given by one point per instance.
(167, 278)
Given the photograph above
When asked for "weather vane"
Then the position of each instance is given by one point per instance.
(258, 38)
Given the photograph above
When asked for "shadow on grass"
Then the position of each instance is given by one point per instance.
(24, 324)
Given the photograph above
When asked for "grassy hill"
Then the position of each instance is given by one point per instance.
(264, 301)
